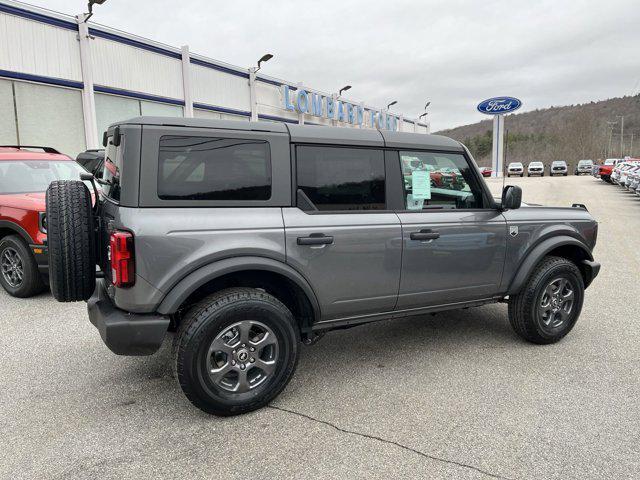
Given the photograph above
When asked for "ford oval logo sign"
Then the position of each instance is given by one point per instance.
(498, 105)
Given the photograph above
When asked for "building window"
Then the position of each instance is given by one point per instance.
(340, 178)
(206, 168)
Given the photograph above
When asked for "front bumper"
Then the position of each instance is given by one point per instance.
(590, 269)
(123, 332)
(41, 254)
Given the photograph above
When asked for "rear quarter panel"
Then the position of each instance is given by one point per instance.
(170, 243)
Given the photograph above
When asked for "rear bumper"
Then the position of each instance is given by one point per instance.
(125, 333)
(590, 270)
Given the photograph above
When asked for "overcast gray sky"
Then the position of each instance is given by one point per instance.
(454, 53)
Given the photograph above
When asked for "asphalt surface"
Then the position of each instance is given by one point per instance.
(456, 395)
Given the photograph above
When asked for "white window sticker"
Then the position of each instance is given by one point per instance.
(414, 203)
(421, 185)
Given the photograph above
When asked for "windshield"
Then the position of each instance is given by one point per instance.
(610, 161)
(535, 164)
(31, 176)
(585, 162)
(516, 165)
(558, 164)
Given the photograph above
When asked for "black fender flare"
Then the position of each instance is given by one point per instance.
(538, 252)
(17, 229)
(189, 284)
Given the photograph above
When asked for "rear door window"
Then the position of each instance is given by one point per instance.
(341, 178)
(213, 168)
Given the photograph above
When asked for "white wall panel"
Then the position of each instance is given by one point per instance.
(160, 109)
(7, 115)
(111, 109)
(269, 95)
(214, 87)
(50, 116)
(129, 68)
(39, 49)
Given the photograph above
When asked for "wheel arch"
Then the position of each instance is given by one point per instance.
(564, 246)
(11, 228)
(273, 276)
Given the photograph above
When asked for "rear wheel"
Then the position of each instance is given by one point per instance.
(72, 258)
(235, 351)
(549, 304)
(19, 274)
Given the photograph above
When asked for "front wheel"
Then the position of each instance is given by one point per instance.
(235, 351)
(549, 304)
(19, 274)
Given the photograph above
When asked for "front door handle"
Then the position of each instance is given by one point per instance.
(424, 235)
(315, 239)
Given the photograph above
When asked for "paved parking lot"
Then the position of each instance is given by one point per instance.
(456, 395)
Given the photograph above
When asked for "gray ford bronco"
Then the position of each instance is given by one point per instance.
(248, 238)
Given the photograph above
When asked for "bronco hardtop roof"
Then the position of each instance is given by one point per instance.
(311, 133)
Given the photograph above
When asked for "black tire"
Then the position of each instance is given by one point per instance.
(521, 175)
(209, 322)
(72, 258)
(524, 308)
(19, 274)
(565, 174)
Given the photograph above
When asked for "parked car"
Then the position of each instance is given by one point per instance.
(626, 168)
(559, 167)
(515, 168)
(535, 168)
(606, 169)
(633, 179)
(486, 171)
(583, 166)
(25, 174)
(234, 234)
(92, 161)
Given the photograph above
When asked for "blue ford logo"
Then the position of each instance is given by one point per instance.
(498, 105)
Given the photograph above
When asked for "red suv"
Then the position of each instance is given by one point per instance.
(25, 175)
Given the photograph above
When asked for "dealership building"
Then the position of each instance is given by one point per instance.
(63, 80)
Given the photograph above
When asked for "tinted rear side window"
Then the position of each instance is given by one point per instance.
(112, 168)
(207, 168)
(340, 178)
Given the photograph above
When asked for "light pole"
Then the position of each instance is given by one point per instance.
(344, 89)
(621, 117)
(610, 125)
(391, 104)
(252, 85)
(88, 100)
(90, 7)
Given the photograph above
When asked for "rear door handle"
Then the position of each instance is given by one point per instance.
(424, 235)
(315, 239)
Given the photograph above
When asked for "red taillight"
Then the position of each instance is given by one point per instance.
(123, 272)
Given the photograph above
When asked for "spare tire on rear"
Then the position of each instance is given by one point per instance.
(70, 232)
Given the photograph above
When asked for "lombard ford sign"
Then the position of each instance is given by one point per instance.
(303, 101)
(499, 105)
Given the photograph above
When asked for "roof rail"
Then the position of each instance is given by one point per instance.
(45, 149)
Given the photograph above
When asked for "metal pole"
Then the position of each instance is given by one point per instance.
(88, 100)
(186, 82)
(622, 136)
(252, 94)
(497, 153)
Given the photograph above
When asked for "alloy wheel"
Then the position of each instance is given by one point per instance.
(556, 303)
(243, 356)
(12, 267)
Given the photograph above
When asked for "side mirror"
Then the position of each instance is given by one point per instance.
(511, 197)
